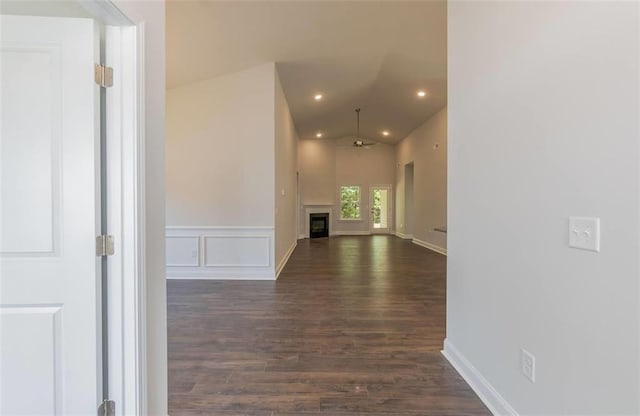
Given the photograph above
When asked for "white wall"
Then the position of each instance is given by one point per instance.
(405, 229)
(426, 147)
(231, 154)
(543, 124)
(221, 177)
(325, 165)
(316, 167)
(220, 150)
(153, 16)
(286, 164)
(363, 167)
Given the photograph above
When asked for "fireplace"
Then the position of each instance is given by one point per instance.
(319, 225)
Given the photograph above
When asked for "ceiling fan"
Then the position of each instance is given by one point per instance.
(359, 142)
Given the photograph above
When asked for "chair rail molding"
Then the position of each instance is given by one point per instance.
(220, 252)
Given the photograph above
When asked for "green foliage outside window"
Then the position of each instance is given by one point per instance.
(350, 202)
(377, 206)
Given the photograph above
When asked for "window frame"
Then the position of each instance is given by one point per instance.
(359, 218)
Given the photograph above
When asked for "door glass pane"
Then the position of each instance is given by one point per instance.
(380, 211)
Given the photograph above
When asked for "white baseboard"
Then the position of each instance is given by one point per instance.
(430, 246)
(219, 275)
(490, 397)
(339, 233)
(286, 258)
(302, 237)
(404, 236)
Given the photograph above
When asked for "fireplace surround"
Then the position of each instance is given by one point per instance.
(321, 208)
(319, 225)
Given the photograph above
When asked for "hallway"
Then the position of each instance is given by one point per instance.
(353, 326)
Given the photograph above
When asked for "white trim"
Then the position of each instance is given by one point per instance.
(390, 197)
(220, 274)
(215, 228)
(316, 209)
(106, 12)
(140, 216)
(432, 247)
(486, 392)
(404, 236)
(301, 237)
(339, 217)
(339, 233)
(124, 51)
(256, 263)
(286, 258)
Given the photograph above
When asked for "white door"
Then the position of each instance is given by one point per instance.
(50, 349)
(379, 209)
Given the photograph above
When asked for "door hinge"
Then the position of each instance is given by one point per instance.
(104, 245)
(107, 408)
(103, 75)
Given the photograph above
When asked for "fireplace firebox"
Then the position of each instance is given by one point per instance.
(319, 225)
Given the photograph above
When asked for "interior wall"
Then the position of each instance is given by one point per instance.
(221, 174)
(406, 224)
(325, 165)
(286, 164)
(316, 168)
(543, 125)
(220, 150)
(153, 16)
(426, 147)
(363, 167)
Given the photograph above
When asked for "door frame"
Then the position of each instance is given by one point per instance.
(389, 188)
(125, 110)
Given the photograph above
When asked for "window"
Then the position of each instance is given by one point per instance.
(349, 202)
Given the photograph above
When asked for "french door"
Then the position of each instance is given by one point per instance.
(380, 209)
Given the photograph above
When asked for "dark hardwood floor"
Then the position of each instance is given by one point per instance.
(353, 326)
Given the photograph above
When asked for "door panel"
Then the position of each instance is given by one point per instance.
(49, 205)
(30, 88)
(380, 209)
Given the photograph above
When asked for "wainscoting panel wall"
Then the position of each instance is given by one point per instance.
(220, 253)
(183, 251)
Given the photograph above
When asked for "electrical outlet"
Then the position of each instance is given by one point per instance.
(584, 233)
(528, 365)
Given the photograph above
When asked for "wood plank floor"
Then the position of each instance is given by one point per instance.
(353, 326)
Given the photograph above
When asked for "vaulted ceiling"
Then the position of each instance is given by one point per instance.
(372, 55)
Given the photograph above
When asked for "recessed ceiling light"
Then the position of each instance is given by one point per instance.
(318, 135)
(422, 94)
(317, 97)
(385, 133)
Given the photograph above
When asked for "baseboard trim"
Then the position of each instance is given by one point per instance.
(218, 275)
(339, 233)
(286, 258)
(404, 236)
(430, 246)
(496, 404)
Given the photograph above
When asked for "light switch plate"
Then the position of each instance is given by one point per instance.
(584, 233)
